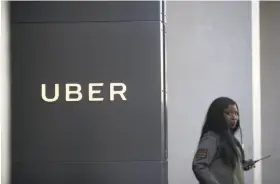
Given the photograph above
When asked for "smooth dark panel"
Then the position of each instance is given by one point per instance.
(90, 173)
(85, 11)
(86, 131)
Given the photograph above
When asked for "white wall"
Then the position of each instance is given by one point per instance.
(209, 55)
(270, 90)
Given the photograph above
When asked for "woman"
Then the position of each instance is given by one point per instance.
(219, 158)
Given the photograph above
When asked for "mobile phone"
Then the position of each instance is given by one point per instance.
(263, 158)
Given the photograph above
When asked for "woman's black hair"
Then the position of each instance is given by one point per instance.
(216, 122)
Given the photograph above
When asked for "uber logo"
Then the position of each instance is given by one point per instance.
(77, 92)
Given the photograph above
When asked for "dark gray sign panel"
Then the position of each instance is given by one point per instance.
(88, 98)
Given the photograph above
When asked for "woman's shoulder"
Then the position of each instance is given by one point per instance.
(209, 141)
(211, 135)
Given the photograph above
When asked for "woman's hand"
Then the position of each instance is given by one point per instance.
(248, 164)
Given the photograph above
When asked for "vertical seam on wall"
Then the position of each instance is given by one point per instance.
(164, 172)
(5, 96)
(256, 88)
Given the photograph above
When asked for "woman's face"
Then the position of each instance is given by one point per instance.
(231, 115)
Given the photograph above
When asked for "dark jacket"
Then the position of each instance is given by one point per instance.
(209, 168)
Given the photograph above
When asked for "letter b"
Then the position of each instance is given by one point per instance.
(77, 92)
